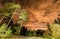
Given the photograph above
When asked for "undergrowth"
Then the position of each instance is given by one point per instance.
(55, 31)
(5, 32)
(9, 10)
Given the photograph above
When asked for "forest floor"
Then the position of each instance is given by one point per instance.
(24, 37)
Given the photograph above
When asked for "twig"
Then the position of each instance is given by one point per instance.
(2, 19)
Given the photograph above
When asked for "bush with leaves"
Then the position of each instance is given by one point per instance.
(6, 11)
(22, 18)
(18, 29)
(23, 15)
(55, 28)
(9, 10)
(4, 31)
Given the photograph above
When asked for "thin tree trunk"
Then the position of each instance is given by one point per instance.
(16, 11)
(2, 19)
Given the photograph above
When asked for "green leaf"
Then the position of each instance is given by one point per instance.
(23, 15)
(4, 32)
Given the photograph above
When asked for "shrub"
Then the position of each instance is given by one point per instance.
(8, 8)
(23, 16)
(31, 33)
(55, 28)
(18, 29)
(4, 32)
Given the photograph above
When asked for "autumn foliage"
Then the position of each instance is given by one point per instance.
(41, 12)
